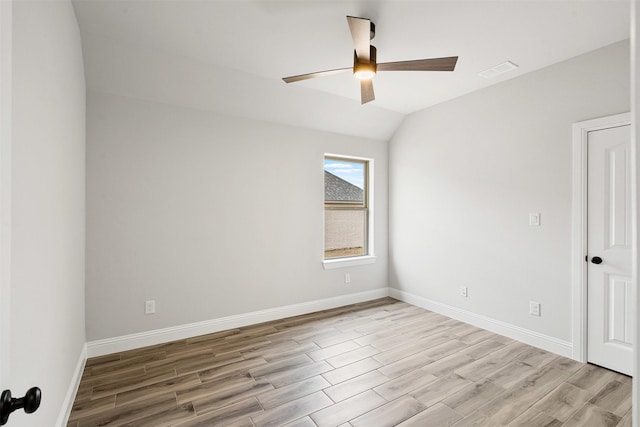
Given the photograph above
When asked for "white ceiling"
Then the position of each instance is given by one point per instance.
(230, 56)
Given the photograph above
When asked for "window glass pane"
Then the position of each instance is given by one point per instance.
(344, 232)
(346, 213)
(344, 181)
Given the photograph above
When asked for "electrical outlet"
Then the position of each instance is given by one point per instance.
(347, 278)
(534, 219)
(534, 308)
(150, 306)
(463, 291)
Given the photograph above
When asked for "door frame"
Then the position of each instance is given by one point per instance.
(6, 84)
(579, 226)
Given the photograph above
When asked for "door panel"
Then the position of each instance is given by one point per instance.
(610, 321)
(617, 194)
(618, 316)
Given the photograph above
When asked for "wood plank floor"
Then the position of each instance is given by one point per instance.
(375, 364)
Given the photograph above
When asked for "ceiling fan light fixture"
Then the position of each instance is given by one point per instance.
(364, 71)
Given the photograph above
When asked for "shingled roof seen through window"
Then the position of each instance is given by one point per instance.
(337, 189)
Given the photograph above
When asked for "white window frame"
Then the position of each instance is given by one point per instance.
(369, 257)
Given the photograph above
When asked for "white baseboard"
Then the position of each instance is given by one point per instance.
(159, 336)
(67, 403)
(545, 342)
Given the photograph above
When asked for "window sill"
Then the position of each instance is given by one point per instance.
(348, 262)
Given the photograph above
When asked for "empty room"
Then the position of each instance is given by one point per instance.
(318, 213)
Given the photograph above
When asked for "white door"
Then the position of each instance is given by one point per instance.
(609, 285)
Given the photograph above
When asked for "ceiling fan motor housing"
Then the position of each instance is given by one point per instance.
(365, 70)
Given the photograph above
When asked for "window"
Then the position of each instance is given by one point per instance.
(346, 207)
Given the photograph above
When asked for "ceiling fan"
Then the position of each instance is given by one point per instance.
(364, 60)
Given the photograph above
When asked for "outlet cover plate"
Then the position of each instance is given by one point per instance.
(534, 308)
(534, 219)
(150, 306)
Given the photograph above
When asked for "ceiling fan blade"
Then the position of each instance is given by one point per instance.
(316, 74)
(361, 34)
(366, 91)
(433, 64)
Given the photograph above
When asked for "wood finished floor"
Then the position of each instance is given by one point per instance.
(380, 363)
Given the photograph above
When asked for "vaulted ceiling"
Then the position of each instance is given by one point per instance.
(230, 56)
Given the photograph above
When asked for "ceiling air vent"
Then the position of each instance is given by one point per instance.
(494, 71)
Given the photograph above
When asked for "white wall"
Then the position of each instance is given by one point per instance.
(210, 215)
(464, 175)
(6, 85)
(48, 206)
